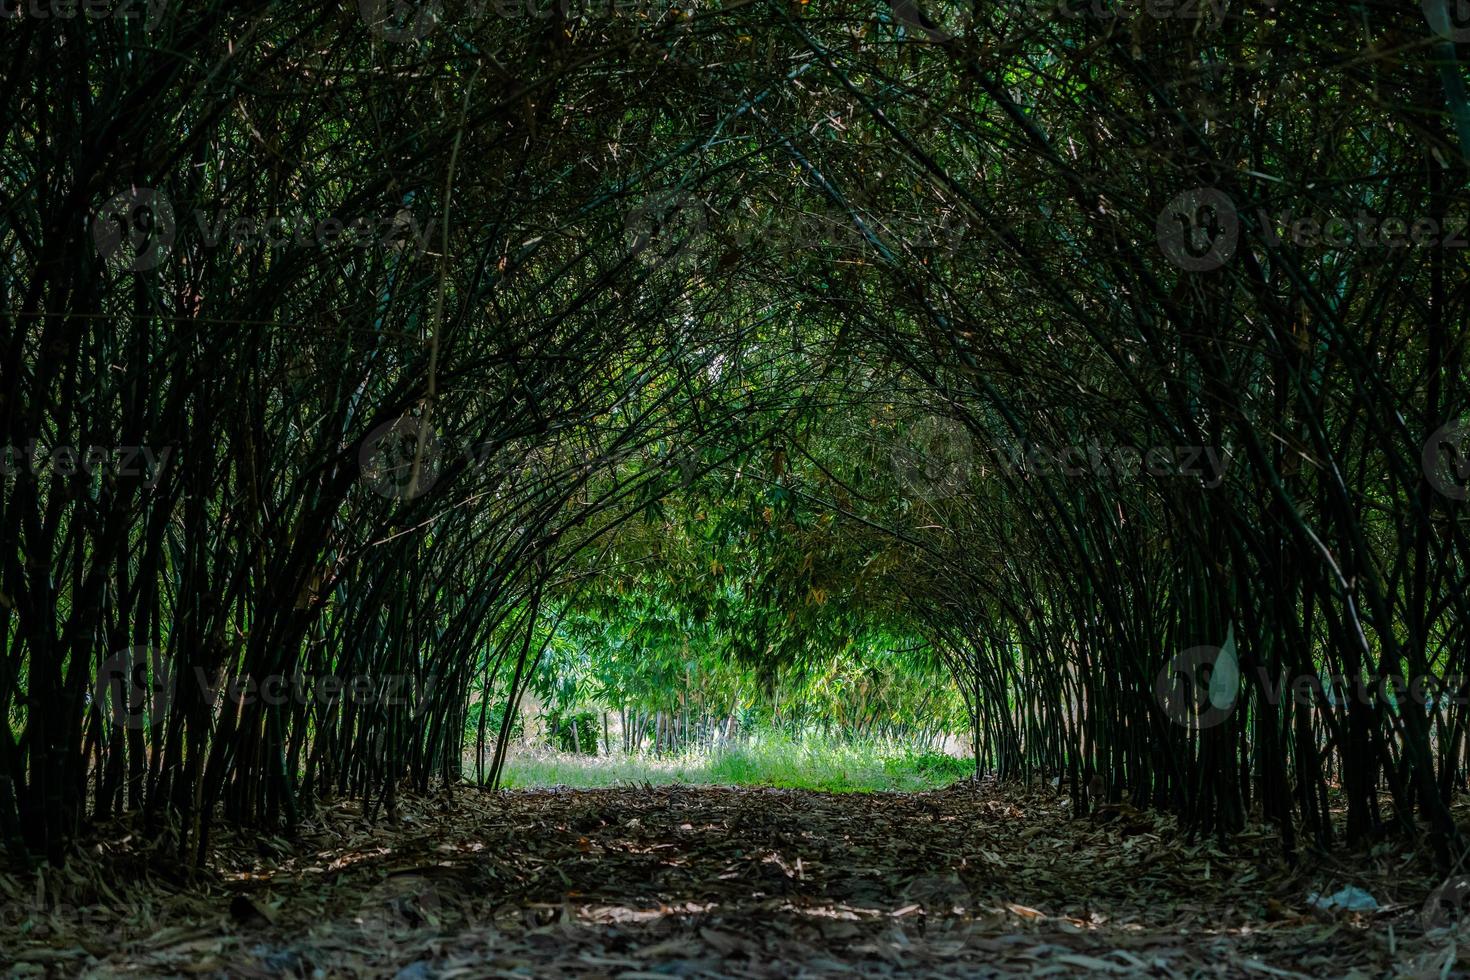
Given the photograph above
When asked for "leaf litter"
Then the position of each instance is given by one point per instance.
(977, 880)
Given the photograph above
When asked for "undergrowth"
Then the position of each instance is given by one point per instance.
(777, 761)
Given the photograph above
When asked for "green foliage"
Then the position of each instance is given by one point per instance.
(772, 759)
(713, 483)
(735, 603)
(577, 733)
(491, 717)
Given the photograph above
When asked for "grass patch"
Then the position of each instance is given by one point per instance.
(839, 767)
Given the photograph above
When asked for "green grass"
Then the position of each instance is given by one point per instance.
(839, 767)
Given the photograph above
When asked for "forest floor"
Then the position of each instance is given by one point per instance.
(973, 880)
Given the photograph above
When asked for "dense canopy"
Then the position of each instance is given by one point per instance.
(1106, 360)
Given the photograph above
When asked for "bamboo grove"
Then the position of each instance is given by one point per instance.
(1115, 354)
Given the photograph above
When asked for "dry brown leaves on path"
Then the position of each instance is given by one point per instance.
(973, 881)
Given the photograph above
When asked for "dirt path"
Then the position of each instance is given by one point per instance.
(674, 882)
